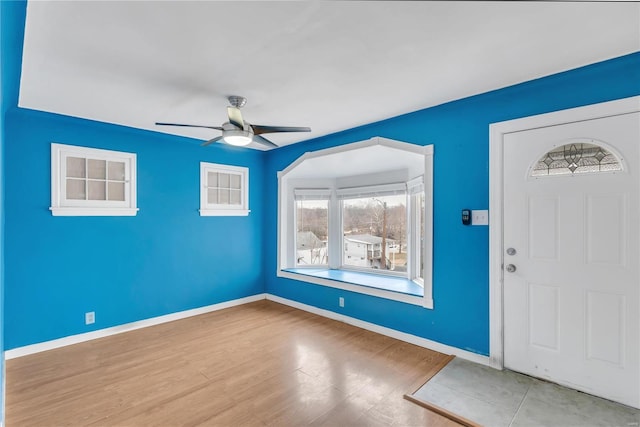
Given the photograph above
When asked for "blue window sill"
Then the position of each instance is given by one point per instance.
(376, 281)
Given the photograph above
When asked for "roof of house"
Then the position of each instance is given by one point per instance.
(367, 239)
(308, 240)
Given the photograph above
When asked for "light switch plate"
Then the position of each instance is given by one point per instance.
(480, 217)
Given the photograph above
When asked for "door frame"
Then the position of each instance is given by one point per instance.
(497, 131)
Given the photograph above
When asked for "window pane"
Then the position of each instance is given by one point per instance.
(76, 167)
(223, 196)
(212, 196)
(116, 191)
(97, 168)
(76, 189)
(375, 232)
(212, 179)
(234, 181)
(116, 171)
(223, 180)
(312, 231)
(97, 190)
(234, 197)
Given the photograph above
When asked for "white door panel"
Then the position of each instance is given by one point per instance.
(571, 307)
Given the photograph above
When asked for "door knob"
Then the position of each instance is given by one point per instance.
(511, 268)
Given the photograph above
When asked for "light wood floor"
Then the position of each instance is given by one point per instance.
(258, 364)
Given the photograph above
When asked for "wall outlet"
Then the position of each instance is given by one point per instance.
(480, 217)
(90, 318)
(341, 302)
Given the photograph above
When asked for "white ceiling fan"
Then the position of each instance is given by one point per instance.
(239, 132)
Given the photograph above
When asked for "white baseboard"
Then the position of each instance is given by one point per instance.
(75, 339)
(402, 336)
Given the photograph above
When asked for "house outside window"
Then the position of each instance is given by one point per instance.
(92, 182)
(312, 227)
(377, 224)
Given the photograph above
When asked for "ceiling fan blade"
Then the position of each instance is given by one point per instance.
(211, 141)
(263, 141)
(235, 117)
(260, 129)
(189, 126)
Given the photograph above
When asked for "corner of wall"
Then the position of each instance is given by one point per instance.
(12, 18)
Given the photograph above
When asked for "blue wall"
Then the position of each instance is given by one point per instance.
(168, 258)
(12, 16)
(459, 131)
(2, 111)
(165, 259)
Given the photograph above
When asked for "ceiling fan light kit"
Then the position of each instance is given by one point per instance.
(239, 132)
(239, 138)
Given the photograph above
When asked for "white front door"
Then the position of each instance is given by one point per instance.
(571, 255)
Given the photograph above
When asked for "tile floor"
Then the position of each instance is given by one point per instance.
(495, 398)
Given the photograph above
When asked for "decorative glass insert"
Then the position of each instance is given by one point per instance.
(576, 158)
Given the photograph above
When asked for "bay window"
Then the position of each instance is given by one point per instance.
(358, 217)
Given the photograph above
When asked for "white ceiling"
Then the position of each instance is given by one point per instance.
(370, 157)
(327, 65)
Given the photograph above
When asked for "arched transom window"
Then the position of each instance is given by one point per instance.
(576, 158)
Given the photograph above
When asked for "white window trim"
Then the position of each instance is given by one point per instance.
(286, 214)
(381, 293)
(62, 207)
(209, 209)
(415, 188)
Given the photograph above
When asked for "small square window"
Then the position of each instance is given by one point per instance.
(92, 182)
(224, 190)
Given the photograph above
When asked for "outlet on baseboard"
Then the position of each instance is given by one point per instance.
(341, 302)
(90, 318)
